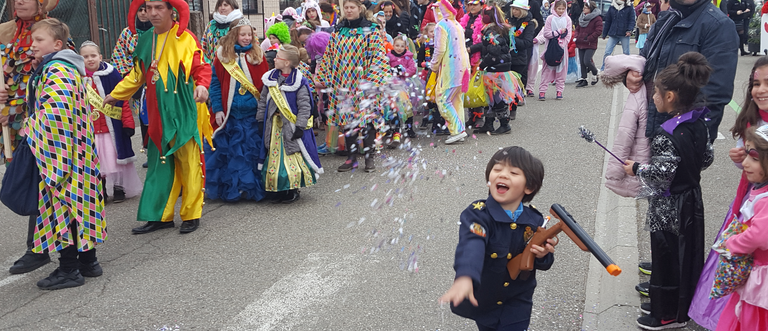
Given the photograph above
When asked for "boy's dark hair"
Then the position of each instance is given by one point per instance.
(517, 156)
(57, 29)
(685, 78)
(326, 8)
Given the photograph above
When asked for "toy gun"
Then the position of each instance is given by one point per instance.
(524, 261)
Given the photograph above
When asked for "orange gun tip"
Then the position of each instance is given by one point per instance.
(613, 269)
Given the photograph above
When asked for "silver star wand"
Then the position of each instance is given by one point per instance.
(590, 137)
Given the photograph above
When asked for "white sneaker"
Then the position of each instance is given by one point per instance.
(455, 138)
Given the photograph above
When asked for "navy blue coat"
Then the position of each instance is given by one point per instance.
(707, 31)
(618, 23)
(486, 243)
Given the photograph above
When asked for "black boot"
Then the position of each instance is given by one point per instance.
(119, 194)
(504, 128)
(487, 126)
(369, 164)
(410, 133)
(293, 196)
(513, 113)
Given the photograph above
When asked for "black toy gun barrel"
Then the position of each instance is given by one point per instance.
(573, 229)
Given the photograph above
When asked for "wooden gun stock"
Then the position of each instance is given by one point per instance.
(524, 261)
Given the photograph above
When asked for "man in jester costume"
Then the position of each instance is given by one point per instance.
(16, 56)
(451, 61)
(168, 59)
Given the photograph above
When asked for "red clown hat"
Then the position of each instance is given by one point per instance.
(181, 6)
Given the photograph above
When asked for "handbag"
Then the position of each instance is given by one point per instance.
(553, 56)
(732, 269)
(431, 86)
(21, 183)
(476, 96)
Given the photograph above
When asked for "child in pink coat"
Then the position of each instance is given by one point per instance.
(630, 143)
(400, 58)
(557, 24)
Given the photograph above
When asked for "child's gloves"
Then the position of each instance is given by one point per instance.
(297, 133)
(128, 132)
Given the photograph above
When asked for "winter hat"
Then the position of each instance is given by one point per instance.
(290, 11)
(617, 65)
(310, 4)
(522, 4)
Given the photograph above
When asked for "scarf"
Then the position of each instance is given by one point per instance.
(231, 17)
(243, 49)
(400, 54)
(585, 19)
(142, 27)
(353, 24)
(654, 48)
(645, 11)
(619, 4)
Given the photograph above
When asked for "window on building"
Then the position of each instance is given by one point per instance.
(289, 3)
(252, 7)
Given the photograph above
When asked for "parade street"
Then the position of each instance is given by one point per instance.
(370, 251)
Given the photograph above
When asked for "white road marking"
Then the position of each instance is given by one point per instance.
(316, 279)
(720, 136)
(11, 279)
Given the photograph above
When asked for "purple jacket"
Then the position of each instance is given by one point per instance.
(630, 144)
(406, 61)
(586, 38)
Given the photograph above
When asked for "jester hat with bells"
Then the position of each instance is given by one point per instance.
(181, 6)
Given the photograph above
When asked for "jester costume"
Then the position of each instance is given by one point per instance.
(171, 65)
(289, 161)
(71, 206)
(355, 53)
(232, 169)
(451, 62)
(217, 29)
(122, 55)
(16, 57)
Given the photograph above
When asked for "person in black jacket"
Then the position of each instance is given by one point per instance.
(418, 9)
(500, 84)
(740, 11)
(523, 28)
(397, 20)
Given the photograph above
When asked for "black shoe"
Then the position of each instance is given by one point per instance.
(645, 267)
(643, 288)
(145, 165)
(92, 269)
(651, 323)
(348, 165)
(645, 307)
(743, 53)
(30, 261)
(58, 280)
(410, 133)
(487, 126)
(595, 79)
(293, 196)
(512, 115)
(151, 227)
(369, 165)
(503, 128)
(582, 83)
(189, 226)
(118, 195)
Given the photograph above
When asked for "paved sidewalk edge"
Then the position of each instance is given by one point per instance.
(611, 302)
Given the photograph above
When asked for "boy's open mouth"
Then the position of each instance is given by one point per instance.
(502, 188)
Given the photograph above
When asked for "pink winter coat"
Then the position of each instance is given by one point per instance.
(547, 33)
(630, 144)
(406, 61)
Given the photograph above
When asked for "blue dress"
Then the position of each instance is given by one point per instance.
(232, 169)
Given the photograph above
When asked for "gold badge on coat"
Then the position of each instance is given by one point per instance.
(477, 229)
(528, 233)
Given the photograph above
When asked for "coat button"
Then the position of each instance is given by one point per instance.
(509, 256)
(513, 226)
(494, 255)
(499, 303)
(506, 284)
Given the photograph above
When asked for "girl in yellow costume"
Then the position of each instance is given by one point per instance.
(169, 61)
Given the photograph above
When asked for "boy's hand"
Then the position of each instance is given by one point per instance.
(628, 167)
(461, 289)
(201, 94)
(737, 154)
(541, 252)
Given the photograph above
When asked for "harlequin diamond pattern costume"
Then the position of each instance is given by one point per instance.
(171, 65)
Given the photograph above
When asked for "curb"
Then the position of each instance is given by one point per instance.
(611, 303)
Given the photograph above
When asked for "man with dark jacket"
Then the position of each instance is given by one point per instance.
(418, 9)
(619, 24)
(699, 26)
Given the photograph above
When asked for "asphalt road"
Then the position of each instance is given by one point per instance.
(358, 252)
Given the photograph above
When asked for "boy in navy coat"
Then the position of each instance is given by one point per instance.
(492, 232)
